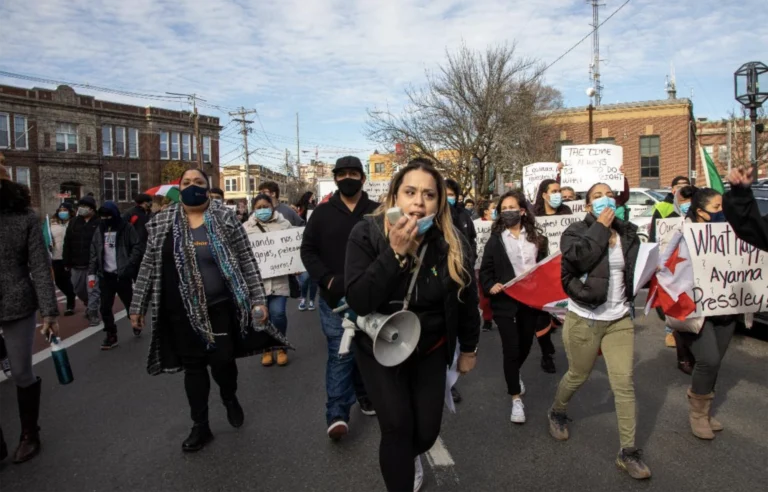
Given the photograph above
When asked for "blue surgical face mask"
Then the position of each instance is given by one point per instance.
(263, 214)
(685, 207)
(451, 201)
(424, 224)
(494, 214)
(555, 200)
(601, 203)
(64, 215)
(716, 217)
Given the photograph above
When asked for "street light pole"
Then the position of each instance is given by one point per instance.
(753, 140)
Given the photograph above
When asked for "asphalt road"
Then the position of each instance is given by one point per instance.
(116, 428)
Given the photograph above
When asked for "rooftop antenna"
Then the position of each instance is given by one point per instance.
(594, 66)
(671, 84)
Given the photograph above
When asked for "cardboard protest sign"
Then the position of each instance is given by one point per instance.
(534, 174)
(554, 226)
(577, 206)
(376, 189)
(483, 230)
(278, 253)
(586, 165)
(729, 275)
(665, 230)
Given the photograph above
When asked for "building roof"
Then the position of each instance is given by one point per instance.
(623, 106)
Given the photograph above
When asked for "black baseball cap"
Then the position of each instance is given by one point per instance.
(348, 162)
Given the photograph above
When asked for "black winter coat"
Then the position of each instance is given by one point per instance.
(584, 246)
(373, 275)
(77, 242)
(463, 222)
(497, 269)
(129, 252)
(138, 218)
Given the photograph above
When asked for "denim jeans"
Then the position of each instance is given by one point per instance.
(308, 287)
(276, 307)
(342, 379)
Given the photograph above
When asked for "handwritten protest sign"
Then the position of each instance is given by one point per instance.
(277, 253)
(586, 165)
(554, 226)
(376, 189)
(534, 174)
(665, 230)
(729, 275)
(483, 230)
(577, 206)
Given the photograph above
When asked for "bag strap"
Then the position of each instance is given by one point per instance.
(260, 227)
(413, 278)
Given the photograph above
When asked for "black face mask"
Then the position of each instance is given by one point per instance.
(349, 186)
(107, 221)
(194, 196)
(510, 218)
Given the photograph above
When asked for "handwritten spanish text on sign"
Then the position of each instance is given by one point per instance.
(376, 189)
(586, 165)
(534, 174)
(729, 275)
(554, 226)
(483, 230)
(665, 230)
(277, 253)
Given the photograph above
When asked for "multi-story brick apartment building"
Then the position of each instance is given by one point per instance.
(234, 186)
(64, 145)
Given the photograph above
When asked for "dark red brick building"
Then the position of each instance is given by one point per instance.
(64, 145)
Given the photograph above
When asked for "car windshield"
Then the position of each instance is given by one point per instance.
(647, 213)
(657, 194)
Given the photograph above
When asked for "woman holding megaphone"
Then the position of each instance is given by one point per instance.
(409, 253)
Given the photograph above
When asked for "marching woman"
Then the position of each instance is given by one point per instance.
(598, 265)
(515, 245)
(201, 278)
(710, 344)
(59, 223)
(382, 259)
(266, 219)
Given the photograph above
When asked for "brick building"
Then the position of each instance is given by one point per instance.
(658, 137)
(310, 173)
(234, 186)
(64, 145)
(713, 136)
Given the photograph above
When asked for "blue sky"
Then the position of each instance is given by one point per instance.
(330, 60)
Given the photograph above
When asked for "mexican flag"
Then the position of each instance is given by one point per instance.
(710, 169)
(541, 287)
(170, 191)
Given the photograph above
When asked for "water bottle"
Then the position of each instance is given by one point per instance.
(61, 361)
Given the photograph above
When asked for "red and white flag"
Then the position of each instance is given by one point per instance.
(672, 287)
(541, 287)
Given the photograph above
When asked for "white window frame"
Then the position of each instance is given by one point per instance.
(7, 130)
(28, 181)
(131, 178)
(186, 139)
(108, 176)
(67, 148)
(118, 151)
(176, 139)
(124, 188)
(135, 138)
(25, 133)
(106, 138)
(207, 149)
(194, 147)
(167, 145)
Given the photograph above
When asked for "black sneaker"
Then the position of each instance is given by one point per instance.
(631, 461)
(199, 436)
(338, 429)
(366, 406)
(558, 425)
(69, 312)
(456, 395)
(110, 341)
(488, 326)
(548, 364)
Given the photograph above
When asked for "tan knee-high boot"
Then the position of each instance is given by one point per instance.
(698, 414)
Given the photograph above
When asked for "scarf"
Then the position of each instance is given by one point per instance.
(191, 286)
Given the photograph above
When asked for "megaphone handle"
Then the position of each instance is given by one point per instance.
(346, 341)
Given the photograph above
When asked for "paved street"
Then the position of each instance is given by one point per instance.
(116, 428)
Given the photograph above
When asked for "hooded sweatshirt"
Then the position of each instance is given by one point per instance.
(275, 286)
(77, 241)
(116, 247)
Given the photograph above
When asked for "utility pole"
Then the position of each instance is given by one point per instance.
(199, 144)
(244, 131)
(298, 147)
(594, 67)
(728, 129)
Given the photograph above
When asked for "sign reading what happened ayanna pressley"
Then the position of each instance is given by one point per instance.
(278, 253)
(729, 275)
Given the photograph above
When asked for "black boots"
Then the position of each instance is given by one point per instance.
(235, 414)
(29, 411)
(199, 436)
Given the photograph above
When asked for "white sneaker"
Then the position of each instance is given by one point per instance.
(518, 411)
(418, 477)
(522, 387)
(337, 430)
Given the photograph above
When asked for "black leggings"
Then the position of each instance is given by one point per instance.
(516, 339)
(409, 406)
(198, 385)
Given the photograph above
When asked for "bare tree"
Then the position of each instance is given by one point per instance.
(741, 139)
(473, 117)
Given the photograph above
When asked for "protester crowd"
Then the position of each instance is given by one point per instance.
(190, 269)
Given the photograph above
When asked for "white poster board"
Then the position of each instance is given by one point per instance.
(483, 230)
(554, 226)
(665, 231)
(577, 206)
(729, 275)
(278, 253)
(376, 189)
(534, 174)
(586, 165)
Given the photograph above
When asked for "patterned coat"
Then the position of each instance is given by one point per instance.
(148, 288)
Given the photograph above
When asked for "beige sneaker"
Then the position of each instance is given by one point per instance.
(267, 359)
(282, 357)
(669, 340)
(631, 461)
(558, 425)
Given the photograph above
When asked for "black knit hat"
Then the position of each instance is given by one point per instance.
(348, 162)
(88, 201)
(142, 198)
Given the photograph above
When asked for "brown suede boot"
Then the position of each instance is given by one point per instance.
(698, 414)
(715, 424)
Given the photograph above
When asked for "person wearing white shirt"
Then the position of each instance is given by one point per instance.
(515, 246)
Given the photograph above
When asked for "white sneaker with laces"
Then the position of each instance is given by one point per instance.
(518, 411)
(418, 477)
(522, 387)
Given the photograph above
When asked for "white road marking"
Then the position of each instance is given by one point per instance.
(77, 337)
(442, 463)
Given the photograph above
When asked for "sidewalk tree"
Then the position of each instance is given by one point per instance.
(172, 171)
(741, 141)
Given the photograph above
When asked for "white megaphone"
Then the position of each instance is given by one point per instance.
(394, 336)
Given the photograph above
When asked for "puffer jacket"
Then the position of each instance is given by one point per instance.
(275, 286)
(584, 269)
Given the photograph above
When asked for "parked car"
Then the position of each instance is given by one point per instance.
(643, 223)
(642, 199)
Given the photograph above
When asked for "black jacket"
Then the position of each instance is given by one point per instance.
(496, 268)
(584, 246)
(463, 222)
(128, 248)
(741, 211)
(77, 242)
(138, 218)
(373, 275)
(325, 242)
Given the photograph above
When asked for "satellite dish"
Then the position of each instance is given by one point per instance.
(591, 91)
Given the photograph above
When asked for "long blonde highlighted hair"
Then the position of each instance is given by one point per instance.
(443, 221)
